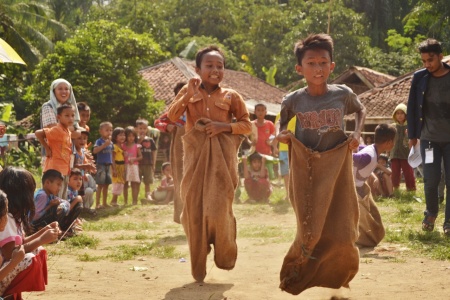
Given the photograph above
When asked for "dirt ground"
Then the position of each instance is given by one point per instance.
(386, 272)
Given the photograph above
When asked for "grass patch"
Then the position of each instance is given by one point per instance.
(138, 236)
(275, 234)
(108, 225)
(83, 241)
(87, 257)
(128, 252)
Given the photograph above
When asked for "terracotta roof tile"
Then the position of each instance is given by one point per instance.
(163, 77)
(381, 101)
(361, 79)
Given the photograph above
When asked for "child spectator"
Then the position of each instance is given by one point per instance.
(210, 148)
(399, 154)
(57, 142)
(164, 193)
(326, 206)
(382, 186)
(85, 165)
(266, 130)
(256, 180)
(371, 229)
(17, 255)
(49, 207)
(85, 115)
(148, 151)
(75, 200)
(118, 165)
(176, 129)
(103, 148)
(132, 155)
(31, 272)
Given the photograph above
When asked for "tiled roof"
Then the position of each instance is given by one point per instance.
(163, 77)
(361, 79)
(381, 101)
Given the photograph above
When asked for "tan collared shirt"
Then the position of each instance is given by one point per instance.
(219, 106)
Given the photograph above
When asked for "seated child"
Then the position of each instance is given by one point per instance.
(30, 274)
(256, 180)
(381, 183)
(49, 207)
(164, 193)
(75, 200)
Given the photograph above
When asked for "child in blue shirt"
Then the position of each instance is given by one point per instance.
(103, 148)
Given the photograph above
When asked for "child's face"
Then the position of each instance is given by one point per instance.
(256, 164)
(81, 141)
(167, 171)
(400, 116)
(431, 61)
(382, 161)
(4, 218)
(316, 66)
(75, 182)
(106, 131)
(260, 112)
(62, 93)
(85, 115)
(142, 129)
(121, 138)
(131, 138)
(211, 68)
(53, 186)
(67, 117)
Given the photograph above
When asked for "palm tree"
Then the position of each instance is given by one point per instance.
(28, 28)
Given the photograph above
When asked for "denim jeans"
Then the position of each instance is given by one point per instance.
(432, 176)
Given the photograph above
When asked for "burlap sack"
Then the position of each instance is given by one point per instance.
(323, 195)
(207, 189)
(371, 229)
(176, 162)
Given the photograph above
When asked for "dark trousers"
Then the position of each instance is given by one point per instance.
(432, 176)
(51, 216)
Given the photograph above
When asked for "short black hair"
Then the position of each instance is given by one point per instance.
(430, 46)
(141, 121)
(51, 175)
(61, 108)
(384, 133)
(384, 156)
(103, 124)
(260, 104)
(164, 166)
(202, 52)
(255, 156)
(82, 106)
(75, 171)
(178, 87)
(115, 133)
(313, 42)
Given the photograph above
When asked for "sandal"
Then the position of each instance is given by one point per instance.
(428, 222)
(447, 228)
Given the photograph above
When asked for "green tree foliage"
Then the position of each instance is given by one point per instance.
(101, 61)
(29, 28)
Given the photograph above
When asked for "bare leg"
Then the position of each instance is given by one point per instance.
(105, 194)
(125, 193)
(286, 185)
(98, 194)
(114, 199)
(388, 188)
(135, 191)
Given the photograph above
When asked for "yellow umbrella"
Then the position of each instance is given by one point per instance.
(8, 54)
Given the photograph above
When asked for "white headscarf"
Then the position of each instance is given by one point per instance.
(54, 102)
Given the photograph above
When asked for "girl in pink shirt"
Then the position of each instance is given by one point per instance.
(133, 155)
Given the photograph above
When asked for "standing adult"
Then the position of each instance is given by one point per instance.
(429, 119)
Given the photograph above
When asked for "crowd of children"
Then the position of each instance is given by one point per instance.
(308, 131)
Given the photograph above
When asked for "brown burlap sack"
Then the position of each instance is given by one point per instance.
(176, 162)
(371, 229)
(323, 195)
(207, 189)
